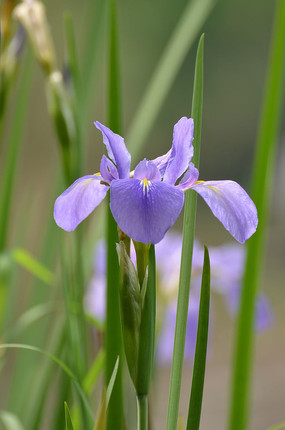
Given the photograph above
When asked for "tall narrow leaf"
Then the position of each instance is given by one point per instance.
(68, 422)
(195, 406)
(261, 189)
(187, 251)
(114, 343)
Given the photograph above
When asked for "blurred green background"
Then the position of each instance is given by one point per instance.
(237, 40)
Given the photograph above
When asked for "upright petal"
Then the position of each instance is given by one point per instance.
(108, 170)
(78, 201)
(181, 151)
(231, 205)
(145, 211)
(116, 149)
(162, 161)
(147, 169)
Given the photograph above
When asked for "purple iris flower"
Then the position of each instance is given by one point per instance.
(147, 202)
(227, 266)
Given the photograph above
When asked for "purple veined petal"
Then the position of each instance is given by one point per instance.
(147, 170)
(116, 149)
(181, 151)
(231, 205)
(108, 170)
(190, 178)
(145, 211)
(78, 201)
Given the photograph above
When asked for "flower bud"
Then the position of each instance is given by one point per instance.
(130, 300)
(31, 14)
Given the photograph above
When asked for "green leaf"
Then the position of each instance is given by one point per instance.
(113, 332)
(94, 371)
(28, 262)
(10, 421)
(263, 175)
(147, 329)
(60, 363)
(187, 29)
(68, 422)
(195, 405)
(101, 420)
(187, 251)
(13, 145)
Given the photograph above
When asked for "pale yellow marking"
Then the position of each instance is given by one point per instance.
(209, 186)
(145, 184)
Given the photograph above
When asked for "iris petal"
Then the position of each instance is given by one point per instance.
(108, 170)
(78, 201)
(145, 212)
(181, 151)
(189, 179)
(116, 149)
(231, 205)
(147, 169)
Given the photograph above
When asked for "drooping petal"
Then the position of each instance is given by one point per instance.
(147, 169)
(145, 212)
(108, 170)
(190, 178)
(116, 149)
(78, 201)
(181, 151)
(231, 205)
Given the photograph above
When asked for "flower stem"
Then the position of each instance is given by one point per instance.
(262, 185)
(142, 403)
(187, 251)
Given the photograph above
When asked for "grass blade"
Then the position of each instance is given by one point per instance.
(262, 185)
(280, 426)
(28, 262)
(68, 422)
(195, 405)
(13, 146)
(60, 363)
(114, 342)
(187, 251)
(94, 371)
(187, 29)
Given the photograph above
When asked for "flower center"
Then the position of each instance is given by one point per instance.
(145, 184)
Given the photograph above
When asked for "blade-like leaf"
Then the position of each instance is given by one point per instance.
(68, 422)
(28, 262)
(261, 192)
(187, 251)
(113, 333)
(195, 405)
(94, 372)
(63, 366)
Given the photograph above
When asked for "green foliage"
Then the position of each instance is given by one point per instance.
(195, 405)
(187, 251)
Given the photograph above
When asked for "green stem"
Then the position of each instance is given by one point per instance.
(187, 252)
(262, 184)
(142, 408)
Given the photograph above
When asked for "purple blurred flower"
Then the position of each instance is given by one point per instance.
(147, 202)
(227, 265)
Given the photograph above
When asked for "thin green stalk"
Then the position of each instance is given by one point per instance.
(113, 342)
(197, 388)
(13, 147)
(187, 251)
(142, 408)
(261, 189)
(187, 29)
